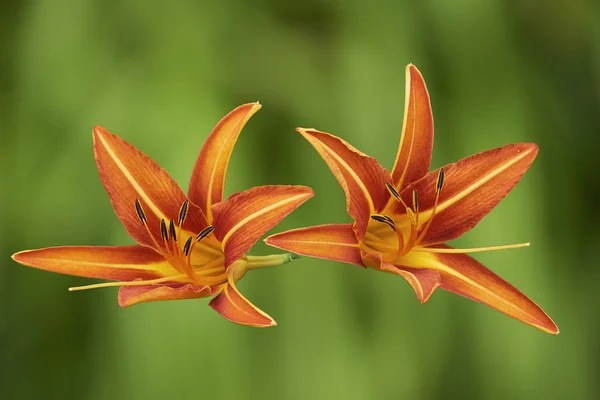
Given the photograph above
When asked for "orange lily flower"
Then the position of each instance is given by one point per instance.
(403, 219)
(189, 246)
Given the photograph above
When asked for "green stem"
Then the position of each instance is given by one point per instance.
(273, 260)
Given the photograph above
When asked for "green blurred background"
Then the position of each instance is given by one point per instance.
(161, 76)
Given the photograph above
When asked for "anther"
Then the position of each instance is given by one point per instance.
(440, 180)
(140, 212)
(416, 200)
(163, 231)
(172, 231)
(205, 232)
(186, 246)
(384, 219)
(392, 191)
(183, 212)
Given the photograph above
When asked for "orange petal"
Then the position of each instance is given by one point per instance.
(335, 242)
(130, 295)
(465, 276)
(245, 217)
(128, 174)
(122, 263)
(423, 281)
(416, 142)
(361, 176)
(232, 305)
(208, 177)
(472, 187)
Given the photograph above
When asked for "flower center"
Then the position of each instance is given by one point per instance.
(202, 264)
(394, 239)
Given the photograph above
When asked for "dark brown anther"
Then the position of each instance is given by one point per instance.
(440, 180)
(392, 190)
(384, 219)
(163, 231)
(187, 245)
(140, 212)
(205, 232)
(183, 212)
(172, 230)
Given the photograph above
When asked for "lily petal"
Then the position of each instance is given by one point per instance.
(472, 188)
(245, 217)
(208, 177)
(120, 263)
(128, 174)
(130, 295)
(335, 242)
(232, 305)
(416, 143)
(361, 176)
(423, 281)
(463, 275)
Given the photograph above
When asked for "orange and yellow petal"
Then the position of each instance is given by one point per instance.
(131, 295)
(232, 305)
(120, 263)
(361, 176)
(245, 217)
(416, 143)
(129, 175)
(463, 275)
(208, 177)
(335, 242)
(472, 188)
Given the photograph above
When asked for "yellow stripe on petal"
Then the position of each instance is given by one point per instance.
(332, 242)
(208, 177)
(232, 305)
(416, 143)
(129, 176)
(245, 217)
(361, 176)
(472, 187)
(463, 275)
(121, 263)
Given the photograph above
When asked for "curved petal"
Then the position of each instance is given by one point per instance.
(416, 143)
(128, 174)
(423, 281)
(245, 217)
(232, 305)
(335, 242)
(472, 188)
(131, 295)
(208, 177)
(361, 176)
(463, 275)
(120, 263)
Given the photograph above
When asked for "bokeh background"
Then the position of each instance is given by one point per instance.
(161, 76)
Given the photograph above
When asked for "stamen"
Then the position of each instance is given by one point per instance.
(127, 283)
(392, 190)
(385, 220)
(183, 212)
(440, 180)
(163, 231)
(186, 246)
(472, 250)
(172, 230)
(140, 212)
(395, 193)
(416, 200)
(438, 189)
(205, 232)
